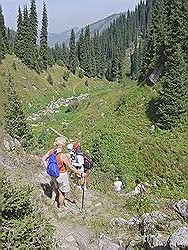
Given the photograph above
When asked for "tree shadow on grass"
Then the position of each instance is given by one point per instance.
(152, 108)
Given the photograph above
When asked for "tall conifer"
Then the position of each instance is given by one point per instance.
(44, 39)
(173, 98)
(73, 60)
(3, 37)
(154, 54)
(18, 46)
(15, 120)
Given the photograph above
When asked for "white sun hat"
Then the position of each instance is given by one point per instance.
(70, 146)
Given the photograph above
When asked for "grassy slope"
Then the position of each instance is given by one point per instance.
(35, 89)
(129, 149)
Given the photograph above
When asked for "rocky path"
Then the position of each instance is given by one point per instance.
(105, 223)
(53, 106)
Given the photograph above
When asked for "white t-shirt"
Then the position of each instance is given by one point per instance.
(78, 163)
(117, 186)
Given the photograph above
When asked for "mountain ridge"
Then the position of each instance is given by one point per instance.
(95, 27)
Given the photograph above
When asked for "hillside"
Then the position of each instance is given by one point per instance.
(112, 123)
(119, 133)
(34, 90)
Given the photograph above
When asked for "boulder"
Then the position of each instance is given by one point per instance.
(179, 240)
(105, 243)
(153, 222)
(134, 221)
(118, 222)
(157, 240)
(137, 243)
(174, 224)
(11, 144)
(182, 208)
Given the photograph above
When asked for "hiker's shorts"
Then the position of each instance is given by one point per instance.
(62, 182)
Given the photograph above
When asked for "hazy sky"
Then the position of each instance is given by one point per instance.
(65, 14)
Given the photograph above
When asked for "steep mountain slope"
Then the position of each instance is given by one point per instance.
(54, 38)
(96, 27)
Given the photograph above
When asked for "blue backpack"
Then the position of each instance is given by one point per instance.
(53, 168)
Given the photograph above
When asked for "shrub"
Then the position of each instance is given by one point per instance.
(66, 76)
(72, 107)
(121, 105)
(14, 119)
(23, 226)
(14, 65)
(81, 73)
(86, 83)
(49, 79)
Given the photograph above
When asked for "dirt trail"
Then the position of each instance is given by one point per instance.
(70, 229)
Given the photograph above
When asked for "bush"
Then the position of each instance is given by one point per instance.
(66, 76)
(81, 73)
(60, 63)
(72, 107)
(86, 83)
(49, 79)
(14, 65)
(23, 226)
(121, 106)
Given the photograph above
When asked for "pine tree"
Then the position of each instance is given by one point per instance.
(33, 25)
(10, 39)
(82, 50)
(3, 37)
(33, 22)
(15, 121)
(18, 46)
(99, 57)
(65, 54)
(90, 61)
(154, 55)
(26, 56)
(44, 39)
(116, 67)
(172, 102)
(73, 60)
(173, 99)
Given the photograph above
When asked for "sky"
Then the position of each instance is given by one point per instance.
(65, 14)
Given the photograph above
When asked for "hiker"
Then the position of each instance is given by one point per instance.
(118, 185)
(140, 188)
(82, 162)
(60, 184)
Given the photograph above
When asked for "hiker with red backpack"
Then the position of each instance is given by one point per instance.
(56, 162)
(82, 162)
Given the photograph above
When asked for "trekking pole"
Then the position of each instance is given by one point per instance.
(83, 192)
(59, 134)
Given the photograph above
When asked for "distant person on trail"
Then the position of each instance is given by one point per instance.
(60, 184)
(118, 185)
(140, 188)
